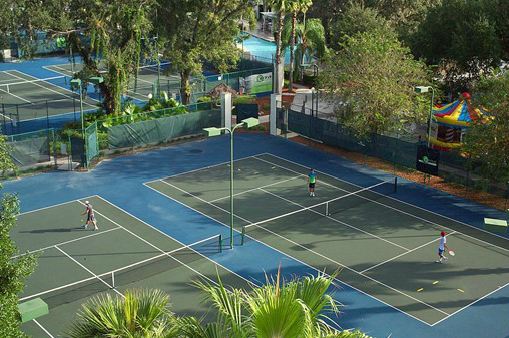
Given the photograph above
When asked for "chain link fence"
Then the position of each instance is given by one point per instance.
(323, 127)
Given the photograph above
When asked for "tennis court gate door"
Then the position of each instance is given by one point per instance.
(92, 144)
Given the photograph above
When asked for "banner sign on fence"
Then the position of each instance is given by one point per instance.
(427, 160)
(258, 83)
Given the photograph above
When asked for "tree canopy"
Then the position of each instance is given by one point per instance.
(201, 31)
(487, 140)
(371, 80)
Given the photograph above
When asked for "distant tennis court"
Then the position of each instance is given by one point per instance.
(138, 88)
(76, 264)
(383, 247)
(25, 97)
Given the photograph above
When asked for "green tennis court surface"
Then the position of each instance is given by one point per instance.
(24, 97)
(147, 78)
(383, 247)
(76, 264)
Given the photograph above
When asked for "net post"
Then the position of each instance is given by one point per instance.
(220, 243)
(395, 183)
(112, 279)
(326, 209)
(242, 235)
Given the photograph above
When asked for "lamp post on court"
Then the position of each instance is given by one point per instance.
(422, 90)
(214, 131)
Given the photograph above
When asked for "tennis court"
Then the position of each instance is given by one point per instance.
(76, 264)
(383, 247)
(142, 86)
(25, 97)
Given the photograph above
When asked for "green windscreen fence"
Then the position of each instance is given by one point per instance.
(31, 148)
(329, 132)
(162, 130)
(92, 145)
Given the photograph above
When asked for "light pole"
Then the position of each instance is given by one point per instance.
(214, 131)
(77, 83)
(422, 90)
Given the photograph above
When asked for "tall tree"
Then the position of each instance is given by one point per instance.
(328, 11)
(356, 18)
(295, 7)
(371, 80)
(106, 34)
(280, 7)
(463, 38)
(404, 15)
(487, 140)
(196, 31)
(13, 272)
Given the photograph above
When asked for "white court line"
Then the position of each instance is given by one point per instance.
(198, 169)
(52, 90)
(337, 221)
(215, 263)
(290, 257)
(57, 288)
(166, 235)
(155, 247)
(415, 216)
(111, 271)
(308, 249)
(56, 205)
(468, 305)
(65, 242)
(254, 189)
(51, 69)
(14, 95)
(399, 210)
(89, 271)
(405, 253)
(42, 328)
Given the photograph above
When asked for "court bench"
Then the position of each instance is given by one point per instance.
(32, 309)
(495, 225)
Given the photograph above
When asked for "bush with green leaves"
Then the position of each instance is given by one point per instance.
(13, 272)
(285, 309)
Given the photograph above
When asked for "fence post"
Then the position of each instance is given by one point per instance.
(47, 114)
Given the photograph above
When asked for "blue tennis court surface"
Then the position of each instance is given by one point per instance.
(387, 238)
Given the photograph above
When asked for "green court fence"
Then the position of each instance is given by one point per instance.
(165, 129)
(92, 144)
(204, 85)
(31, 148)
(324, 128)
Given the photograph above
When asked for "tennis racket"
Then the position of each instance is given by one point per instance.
(452, 253)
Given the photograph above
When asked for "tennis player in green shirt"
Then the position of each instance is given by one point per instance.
(312, 182)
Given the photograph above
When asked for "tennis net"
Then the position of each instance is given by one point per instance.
(28, 85)
(333, 206)
(136, 272)
(163, 68)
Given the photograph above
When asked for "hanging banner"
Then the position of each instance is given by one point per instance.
(255, 84)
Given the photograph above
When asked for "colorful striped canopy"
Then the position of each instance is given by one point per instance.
(457, 113)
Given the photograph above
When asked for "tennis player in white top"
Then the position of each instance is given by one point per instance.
(441, 247)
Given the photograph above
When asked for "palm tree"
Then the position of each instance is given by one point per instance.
(280, 6)
(310, 37)
(139, 313)
(295, 7)
(277, 309)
